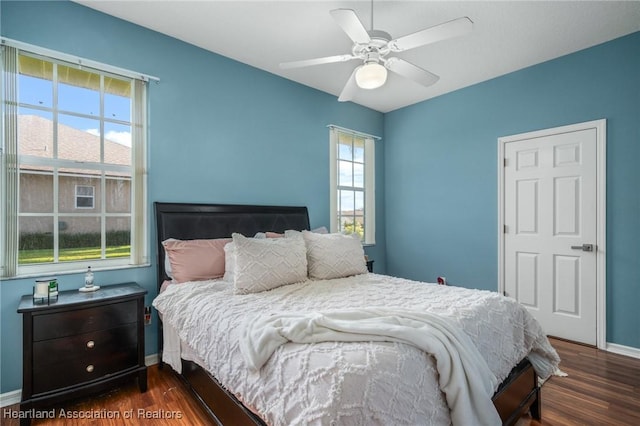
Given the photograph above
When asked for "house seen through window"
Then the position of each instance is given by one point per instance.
(75, 162)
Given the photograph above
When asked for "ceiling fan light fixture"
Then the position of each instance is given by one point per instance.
(371, 75)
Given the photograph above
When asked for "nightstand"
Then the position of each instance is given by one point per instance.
(81, 344)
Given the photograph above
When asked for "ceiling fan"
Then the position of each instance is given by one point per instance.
(373, 47)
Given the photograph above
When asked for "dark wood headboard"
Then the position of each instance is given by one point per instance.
(205, 221)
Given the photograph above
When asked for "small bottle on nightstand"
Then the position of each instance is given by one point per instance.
(88, 278)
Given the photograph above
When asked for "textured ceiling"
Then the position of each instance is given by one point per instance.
(507, 36)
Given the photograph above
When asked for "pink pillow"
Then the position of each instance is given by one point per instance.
(196, 260)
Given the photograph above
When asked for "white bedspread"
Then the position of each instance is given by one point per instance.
(360, 383)
(463, 375)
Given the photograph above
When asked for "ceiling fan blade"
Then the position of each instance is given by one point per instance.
(350, 89)
(410, 71)
(317, 61)
(350, 24)
(450, 29)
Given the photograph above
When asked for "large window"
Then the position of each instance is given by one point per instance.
(352, 183)
(73, 190)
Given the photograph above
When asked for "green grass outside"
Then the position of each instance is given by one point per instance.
(71, 255)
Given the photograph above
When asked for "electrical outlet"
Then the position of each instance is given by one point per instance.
(147, 315)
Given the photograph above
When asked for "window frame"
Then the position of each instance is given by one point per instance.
(137, 169)
(368, 188)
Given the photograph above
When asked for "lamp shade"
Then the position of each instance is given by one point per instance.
(371, 76)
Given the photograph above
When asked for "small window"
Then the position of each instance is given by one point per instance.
(353, 184)
(84, 197)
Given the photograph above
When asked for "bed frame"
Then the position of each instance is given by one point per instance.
(518, 394)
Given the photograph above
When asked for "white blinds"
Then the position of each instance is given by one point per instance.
(9, 161)
(139, 176)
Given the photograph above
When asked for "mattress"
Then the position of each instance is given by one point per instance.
(364, 383)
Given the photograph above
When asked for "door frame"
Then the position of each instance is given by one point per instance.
(601, 196)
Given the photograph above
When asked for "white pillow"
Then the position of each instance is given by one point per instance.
(264, 264)
(230, 254)
(334, 255)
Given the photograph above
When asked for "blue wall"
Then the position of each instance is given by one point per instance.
(211, 117)
(441, 170)
(220, 132)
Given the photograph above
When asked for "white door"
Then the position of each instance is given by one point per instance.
(550, 218)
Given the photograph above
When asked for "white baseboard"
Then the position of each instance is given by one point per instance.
(13, 397)
(151, 359)
(10, 398)
(623, 350)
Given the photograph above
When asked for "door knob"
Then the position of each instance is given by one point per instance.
(584, 247)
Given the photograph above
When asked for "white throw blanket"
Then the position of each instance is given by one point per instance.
(464, 376)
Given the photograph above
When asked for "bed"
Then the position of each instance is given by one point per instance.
(517, 393)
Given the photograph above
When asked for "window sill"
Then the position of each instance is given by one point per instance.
(82, 269)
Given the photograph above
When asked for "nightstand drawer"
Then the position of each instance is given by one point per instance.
(58, 363)
(61, 324)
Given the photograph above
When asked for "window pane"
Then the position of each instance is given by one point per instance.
(117, 107)
(358, 175)
(35, 239)
(78, 138)
(118, 196)
(118, 236)
(35, 81)
(84, 202)
(117, 144)
(35, 91)
(359, 226)
(358, 150)
(347, 201)
(359, 202)
(345, 174)
(117, 86)
(80, 240)
(69, 201)
(86, 191)
(351, 225)
(78, 91)
(35, 133)
(36, 191)
(345, 151)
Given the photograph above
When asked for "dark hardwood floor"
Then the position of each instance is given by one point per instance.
(602, 389)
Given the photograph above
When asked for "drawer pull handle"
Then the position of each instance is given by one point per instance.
(89, 368)
(91, 344)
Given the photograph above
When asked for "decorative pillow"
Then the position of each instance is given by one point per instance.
(167, 264)
(196, 260)
(268, 234)
(274, 235)
(264, 264)
(320, 230)
(230, 261)
(334, 255)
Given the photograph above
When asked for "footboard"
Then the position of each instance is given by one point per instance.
(518, 394)
(515, 396)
